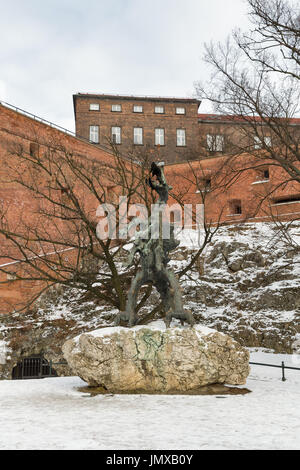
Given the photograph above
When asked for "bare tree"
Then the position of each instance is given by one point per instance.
(275, 40)
(255, 83)
(53, 230)
(51, 234)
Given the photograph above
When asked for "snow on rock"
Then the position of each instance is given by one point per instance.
(155, 325)
(154, 358)
(4, 350)
(296, 344)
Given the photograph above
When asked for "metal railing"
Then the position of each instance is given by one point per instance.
(37, 118)
(40, 368)
(52, 124)
(64, 363)
(282, 367)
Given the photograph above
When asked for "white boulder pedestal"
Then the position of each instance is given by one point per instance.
(154, 359)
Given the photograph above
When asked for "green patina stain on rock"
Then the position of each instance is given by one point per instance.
(152, 346)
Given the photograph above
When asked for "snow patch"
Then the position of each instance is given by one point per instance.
(158, 325)
(4, 351)
(266, 418)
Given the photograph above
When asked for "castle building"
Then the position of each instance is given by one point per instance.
(171, 129)
(166, 127)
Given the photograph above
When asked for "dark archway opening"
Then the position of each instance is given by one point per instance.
(33, 367)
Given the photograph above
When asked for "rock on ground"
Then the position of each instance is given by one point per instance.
(152, 358)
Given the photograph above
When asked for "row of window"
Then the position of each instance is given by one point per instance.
(235, 205)
(138, 136)
(262, 176)
(136, 108)
(215, 142)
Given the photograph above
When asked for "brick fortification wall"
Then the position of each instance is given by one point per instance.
(234, 196)
(228, 198)
(18, 133)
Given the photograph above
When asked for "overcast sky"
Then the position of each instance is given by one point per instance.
(51, 49)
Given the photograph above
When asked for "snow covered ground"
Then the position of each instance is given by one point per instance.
(54, 414)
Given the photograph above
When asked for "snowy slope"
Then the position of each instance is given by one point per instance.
(250, 284)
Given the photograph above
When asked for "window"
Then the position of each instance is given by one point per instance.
(138, 135)
(159, 137)
(11, 276)
(116, 107)
(116, 135)
(181, 142)
(159, 109)
(204, 185)
(34, 149)
(268, 141)
(287, 199)
(94, 107)
(207, 184)
(215, 142)
(235, 207)
(262, 174)
(137, 109)
(259, 142)
(180, 110)
(94, 134)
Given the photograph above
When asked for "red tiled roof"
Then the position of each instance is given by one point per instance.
(237, 118)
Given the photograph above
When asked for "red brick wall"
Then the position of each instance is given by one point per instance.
(225, 186)
(19, 132)
(148, 120)
(257, 195)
